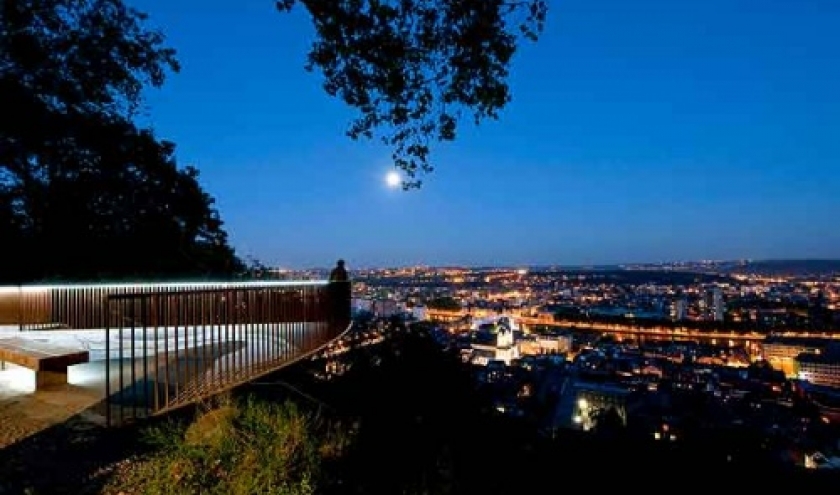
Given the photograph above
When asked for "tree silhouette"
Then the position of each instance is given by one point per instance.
(84, 192)
(413, 67)
(444, 303)
(608, 422)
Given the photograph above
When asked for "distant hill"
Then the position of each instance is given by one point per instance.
(788, 267)
(574, 268)
(793, 267)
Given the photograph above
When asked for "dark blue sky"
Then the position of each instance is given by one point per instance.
(642, 130)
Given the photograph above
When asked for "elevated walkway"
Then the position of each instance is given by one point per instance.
(161, 349)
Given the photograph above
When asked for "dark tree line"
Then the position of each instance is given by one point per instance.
(444, 303)
(84, 192)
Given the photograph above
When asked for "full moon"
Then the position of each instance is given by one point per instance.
(393, 179)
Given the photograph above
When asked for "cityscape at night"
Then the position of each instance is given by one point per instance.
(303, 247)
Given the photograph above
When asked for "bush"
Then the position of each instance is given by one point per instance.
(236, 448)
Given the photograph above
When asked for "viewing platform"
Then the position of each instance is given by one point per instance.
(137, 350)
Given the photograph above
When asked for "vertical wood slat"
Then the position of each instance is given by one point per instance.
(85, 306)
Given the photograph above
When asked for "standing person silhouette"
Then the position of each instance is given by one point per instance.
(339, 273)
(339, 294)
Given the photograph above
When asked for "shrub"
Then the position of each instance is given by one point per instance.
(236, 448)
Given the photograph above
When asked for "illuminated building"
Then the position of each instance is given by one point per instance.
(593, 400)
(495, 343)
(679, 309)
(781, 352)
(819, 369)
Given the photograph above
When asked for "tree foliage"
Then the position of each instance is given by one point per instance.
(414, 68)
(444, 303)
(84, 192)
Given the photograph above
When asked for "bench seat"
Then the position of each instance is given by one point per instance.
(49, 361)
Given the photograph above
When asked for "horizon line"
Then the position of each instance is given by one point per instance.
(562, 265)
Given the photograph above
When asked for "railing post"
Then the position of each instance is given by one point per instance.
(20, 308)
(108, 301)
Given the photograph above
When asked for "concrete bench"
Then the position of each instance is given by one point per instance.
(49, 361)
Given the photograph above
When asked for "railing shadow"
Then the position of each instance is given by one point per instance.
(159, 380)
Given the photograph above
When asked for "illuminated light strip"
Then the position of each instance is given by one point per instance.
(7, 289)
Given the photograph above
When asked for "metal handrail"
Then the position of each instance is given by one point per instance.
(192, 344)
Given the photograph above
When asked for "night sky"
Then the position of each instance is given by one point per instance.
(639, 131)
